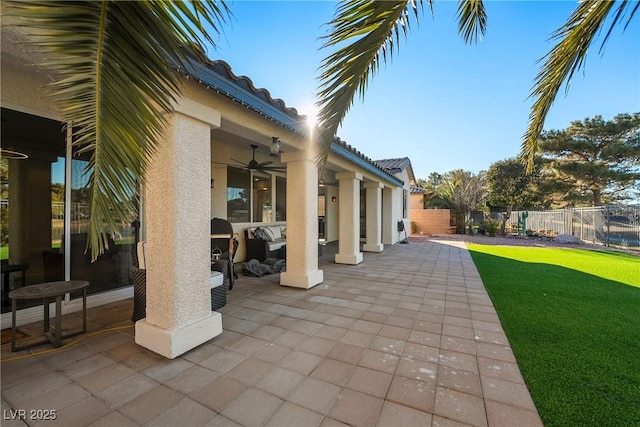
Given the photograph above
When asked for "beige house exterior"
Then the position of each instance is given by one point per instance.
(192, 178)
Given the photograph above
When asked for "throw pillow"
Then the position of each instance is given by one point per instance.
(259, 233)
(273, 232)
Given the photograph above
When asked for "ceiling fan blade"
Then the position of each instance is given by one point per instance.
(238, 161)
(275, 168)
(263, 164)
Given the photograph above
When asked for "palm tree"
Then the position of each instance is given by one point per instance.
(368, 33)
(568, 56)
(117, 67)
(374, 29)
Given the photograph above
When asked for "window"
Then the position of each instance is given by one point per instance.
(404, 204)
(237, 195)
(261, 198)
(35, 228)
(250, 196)
(111, 270)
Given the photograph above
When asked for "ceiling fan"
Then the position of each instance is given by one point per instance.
(253, 165)
(323, 183)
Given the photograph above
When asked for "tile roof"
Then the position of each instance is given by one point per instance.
(398, 165)
(393, 165)
(372, 166)
(218, 75)
(224, 69)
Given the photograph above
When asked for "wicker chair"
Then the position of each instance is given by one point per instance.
(225, 244)
(139, 277)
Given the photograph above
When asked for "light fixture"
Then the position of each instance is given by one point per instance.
(274, 150)
(12, 155)
(334, 199)
(321, 183)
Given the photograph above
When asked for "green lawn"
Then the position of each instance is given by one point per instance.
(572, 317)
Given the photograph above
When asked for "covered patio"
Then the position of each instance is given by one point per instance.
(405, 338)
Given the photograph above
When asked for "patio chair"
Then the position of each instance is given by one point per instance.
(139, 276)
(224, 245)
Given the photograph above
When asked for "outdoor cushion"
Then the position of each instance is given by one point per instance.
(259, 233)
(273, 232)
(217, 279)
(140, 251)
(274, 246)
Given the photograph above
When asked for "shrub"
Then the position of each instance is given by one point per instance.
(414, 227)
(492, 227)
(470, 228)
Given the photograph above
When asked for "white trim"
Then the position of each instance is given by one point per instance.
(34, 314)
(67, 203)
(30, 109)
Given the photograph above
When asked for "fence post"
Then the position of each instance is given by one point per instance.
(581, 227)
(607, 213)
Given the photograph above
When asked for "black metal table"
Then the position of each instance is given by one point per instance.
(47, 291)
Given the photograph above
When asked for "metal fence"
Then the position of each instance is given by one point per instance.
(79, 219)
(613, 225)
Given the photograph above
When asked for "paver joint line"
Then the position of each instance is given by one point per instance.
(410, 334)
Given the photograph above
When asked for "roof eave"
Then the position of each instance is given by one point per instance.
(359, 161)
(212, 80)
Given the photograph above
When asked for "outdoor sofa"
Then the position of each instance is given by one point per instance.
(265, 241)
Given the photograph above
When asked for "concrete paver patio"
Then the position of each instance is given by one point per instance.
(409, 337)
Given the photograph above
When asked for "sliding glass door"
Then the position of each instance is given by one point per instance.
(35, 203)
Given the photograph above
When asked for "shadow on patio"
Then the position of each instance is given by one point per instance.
(408, 337)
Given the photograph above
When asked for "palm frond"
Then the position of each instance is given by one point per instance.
(472, 20)
(567, 57)
(367, 33)
(117, 75)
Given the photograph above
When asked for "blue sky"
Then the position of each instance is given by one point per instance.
(444, 104)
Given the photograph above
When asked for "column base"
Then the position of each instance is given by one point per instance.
(304, 281)
(373, 248)
(351, 259)
(171, 343)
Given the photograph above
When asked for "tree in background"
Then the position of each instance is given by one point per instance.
(366, 33)
(430, 187)
(510, 187)
(463, 191)
(598, 159)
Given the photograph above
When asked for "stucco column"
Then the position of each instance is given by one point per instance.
(374, 217)
(349, 217)
(30, 213)
(177, 195)
(302, 220)
(388, 225)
